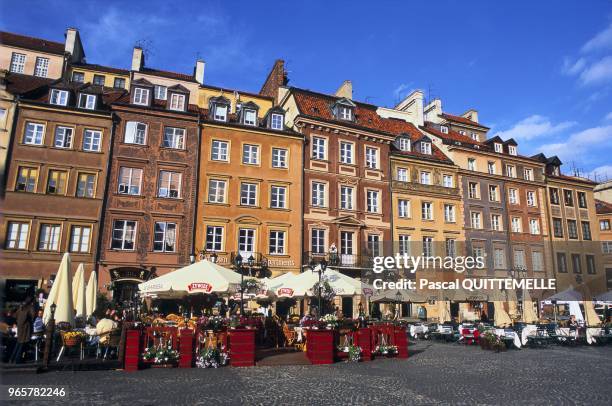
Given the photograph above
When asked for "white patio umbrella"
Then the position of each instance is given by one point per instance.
(91, 294)
(200, 277)
(301, 285)
(444, 314)
(61, 295)
(79, 303)
(405, 295)
(574, 308)
(529, 315)
(592, 319)
(568, 295)
(512, 303)
(501, 317)
(605, 297)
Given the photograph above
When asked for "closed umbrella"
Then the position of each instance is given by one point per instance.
(79, 276)
(501, 317)
(61, 295)
(529, 315)
(444, 311)
(512, 303)
(91, 294)
(80, 303)
(592, 319)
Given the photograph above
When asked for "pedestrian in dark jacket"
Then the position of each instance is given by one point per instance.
(24, 318)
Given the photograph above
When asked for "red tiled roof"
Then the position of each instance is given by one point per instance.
(156, 104)
(573, 179)
(167, 74)
(463, 120)
(452, 136)
(100, 68)
(17, 83)
(35, 44)
(602, 207)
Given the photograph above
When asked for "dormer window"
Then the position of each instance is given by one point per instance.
(177, 102)
(87, 101)
(512, 150)
(250, 117)
(277, 121)
(141, 96)
(59, 97)
(346, 113)
(474, 136)
(160, 92)
(498, 147)
(220, 112)
(555, 170)
(462, 132)
(404, 144)
(426, 148)
(444, 129)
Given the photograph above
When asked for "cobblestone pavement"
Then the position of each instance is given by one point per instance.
(435, 373)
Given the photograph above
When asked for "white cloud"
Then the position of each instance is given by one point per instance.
(600, 174)
(580, 143)
(598, 72)
(602, 40)
(534, 126)
(608, 116)
(575, 68)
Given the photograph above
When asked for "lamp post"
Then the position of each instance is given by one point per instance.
(322, 267)
(398, 299)
(238, 263)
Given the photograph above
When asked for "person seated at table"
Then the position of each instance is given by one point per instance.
(39, 326)
(572, 323)
(104, 326)
(338, 312)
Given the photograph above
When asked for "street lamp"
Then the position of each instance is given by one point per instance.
(238, 263)
(313, 267)
(398, 298)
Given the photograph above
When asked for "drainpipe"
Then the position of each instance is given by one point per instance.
(196, 177)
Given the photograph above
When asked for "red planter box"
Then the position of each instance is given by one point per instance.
(186, 348)
(132, 350)
(242, 347)
(401, 341)
(364, 340)
(320, 346)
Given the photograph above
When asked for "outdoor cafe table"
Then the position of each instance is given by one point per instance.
(416, 329)
(509, 335)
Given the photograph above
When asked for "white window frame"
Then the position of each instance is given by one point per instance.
(177, 138)
(222, 150)
(425, 178)
(250, 117)
(531, 199)
(319, 148)
(177, 102)
(372, 201)
(371, 157)
(347, 197)
(250, 154)
(59, 97)
(512, 150)
(278, 197)
(491, 168)
(277, 121)
(279, 157)
(513, 196)
(403, 208)
(510, 171)
(248, 194)
(80, 237)
(448, 181)
(346, 152)
(276, 243)
(476, 220)
(129, 188)
(216, 190)
(49, 237)
(317, 240)
(471, 164)
(160, 92)
(90, 101)
(220, 112)
(125, 237)
(65, 136)
(449, 213)
(427, 211)
(498, 147)
(496, 222)
(18, 62)
(404, 144)
(141, 96)
(318, 194)
(134, 132)
(37, 133)
(165, 190)
(92, 140)
(534, 227)
(528, 174)
(17, 236)
(426, 148)
(214, 238)
(168, 237)
(517, 225)
(402, 174)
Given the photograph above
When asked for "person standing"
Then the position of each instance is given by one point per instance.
(24, 318)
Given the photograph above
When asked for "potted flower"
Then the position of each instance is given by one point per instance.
(330, 320)
(386, 349)
(353, 351)
(161, 355)
(212, 358)
(72, 338)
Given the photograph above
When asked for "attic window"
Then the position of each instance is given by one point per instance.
(498, 147)
(250, 117)
(220, 112)
(474, 136)
(444, 129)
(59, 97)
(426, 148)
(276, 121)
(160, 92)
(177, 102)
(78, 77)
(512, 150)
(141, 96)
(87, 101)
(345, 113)
(404, 144)
(461, 132)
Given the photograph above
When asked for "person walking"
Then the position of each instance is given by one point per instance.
(24, 319)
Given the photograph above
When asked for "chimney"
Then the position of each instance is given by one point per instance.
(413, 104)
(471, 114)
(345, 90)
(137, 59)
(73, 45)
(199, 71)
(276, 79)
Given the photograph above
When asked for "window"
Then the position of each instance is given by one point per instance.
(374, 244)
(519, 259)
(63, 137)
(582, 201)
(462, 132)
(371, 158)
(447, 181)
(557, 227)
(590, 261)
(444, 129)
(534, 226)
(404, 144)
(86, 185)
(177, 102)
(517, 226)
(499, 258)
(475, 220)
(427, 211)
(561, 262)
(278, 197)
(491, 167)
(26, 179)
(425, 178)
(318, 148)
(528, 174)
(537, 261)
(87, 101)
(246, 242)
(512, 149)
(169, 184)
(99, 80)
(427, 246)
(403, 208)
(471, 164)
(426, 148)
(496, 222)
(17, 235)
(554, 196)
(474, 136)
(92, 140)
(568, 198)
(79, 238)
(164, 237)
(346, 113)
(606, 247)
(279, 158)
(604, 225)
(276, 121)
(531, 199)
(250, 117)
(473, 190)
(18, 62)
(135, 133)
(141, 96)
(250, 154)
(451, 247)
(34, 134)
(78, 77)
(510, 171)
(277, 242)
(49, 237)
(119, 83)
(160, 92)
(317, 240)
(586, 230)
(130, 180)
(478, 252)
(220, 112)
(498, 147)
(346, 243)
(59, 97)
(402, 174)
(346, 152)
(404, 244)
(318, 194)
(216, 191)
(372, 198)
(513, 196)
(124, 235)
(57, 182)
(572, 229)
(174, 138)
(576, 266)
(248, 194)
(219, 150)
(214, 238)
(346, 197)
(449, 213)
(493, 197)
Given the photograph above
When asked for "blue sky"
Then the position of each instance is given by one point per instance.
(540, 72)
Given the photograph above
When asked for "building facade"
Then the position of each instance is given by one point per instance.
(604, 217)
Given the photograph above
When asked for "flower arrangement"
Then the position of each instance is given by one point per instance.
(251, 285)
(354, 352)
(386, 349)
(330, 319)
(161, 354)
(490, 341)
(73, 338)
(215, 323)
(212, 358)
